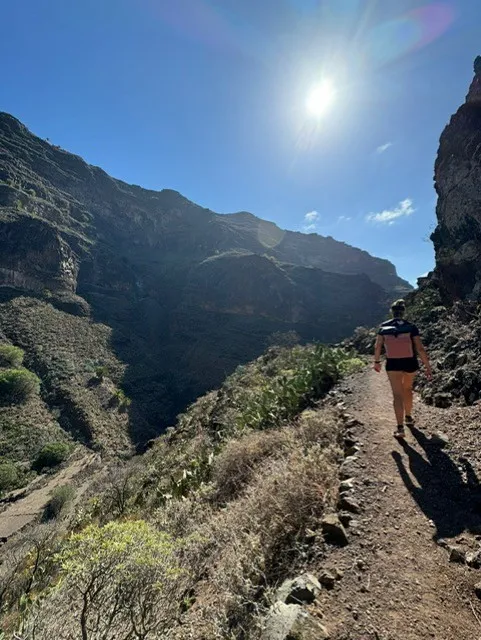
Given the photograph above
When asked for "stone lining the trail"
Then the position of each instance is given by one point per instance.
(301, 590)
(289, 622)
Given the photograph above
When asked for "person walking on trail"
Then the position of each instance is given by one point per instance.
(402, 345)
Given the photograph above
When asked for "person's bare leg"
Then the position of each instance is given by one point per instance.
(408, 381)
(396, 380)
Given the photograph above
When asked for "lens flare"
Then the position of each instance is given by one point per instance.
(412, 31)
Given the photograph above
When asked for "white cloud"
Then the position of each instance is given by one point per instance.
(383, 147)
(344, 219)
(310, 221)
(312, 216)
(389, 216)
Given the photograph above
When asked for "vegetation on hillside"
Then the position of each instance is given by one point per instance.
(11, 356)
(17, 385)
(66, 352)
(26, 425)
(51, 455)
(196, 533)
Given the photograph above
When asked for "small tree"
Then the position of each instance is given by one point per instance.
(120, 400)
(51, 455)
(11, 356)
(9, 476)
(17, 385)
(121, 491)
(101, 372)
(118, 581)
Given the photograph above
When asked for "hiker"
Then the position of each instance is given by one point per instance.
(402, 345)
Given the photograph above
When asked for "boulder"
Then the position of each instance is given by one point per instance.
(348, 468)
(291, 622)
(333, 530)
(457, 555)
(352, 451)
(327, 579)
(346, 486)
(301, 590)
(353, 422)
(442, 400)
(449, 362)
(473, 559)
(349, 504)
(346, 518)
(349, 440)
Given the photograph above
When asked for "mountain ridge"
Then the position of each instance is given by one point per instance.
(175, 199)
(188, 294)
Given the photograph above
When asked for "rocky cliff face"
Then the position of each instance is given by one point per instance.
(457, 238)
(447, 304)
(34, 257)
(188, 294)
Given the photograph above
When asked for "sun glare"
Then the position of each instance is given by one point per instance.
(321, 98)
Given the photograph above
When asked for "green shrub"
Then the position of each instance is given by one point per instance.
(101, 372)
(119, 399)
(17, 385)
(266, 394)
(118, 581)
(51, 455)
(61, 498)
(11, 356)
(311, 373)
(9, 476)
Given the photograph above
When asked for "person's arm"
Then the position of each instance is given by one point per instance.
(421, 351)
(377, 353)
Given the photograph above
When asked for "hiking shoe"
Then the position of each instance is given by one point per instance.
(400, 432)
(410, 421)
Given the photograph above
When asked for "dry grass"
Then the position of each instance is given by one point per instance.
(257, 539)
(237, 503)
(235, 466)
(236, 545)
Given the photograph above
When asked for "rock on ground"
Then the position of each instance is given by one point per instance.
(290, 622)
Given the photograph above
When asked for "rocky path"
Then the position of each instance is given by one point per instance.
(28, 509)
(415, 498)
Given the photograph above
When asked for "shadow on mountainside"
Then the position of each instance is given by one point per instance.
(448, 494)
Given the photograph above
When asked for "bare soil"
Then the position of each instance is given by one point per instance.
(416, 496)
(26, 510)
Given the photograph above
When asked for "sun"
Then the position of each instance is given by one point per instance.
(321, 98)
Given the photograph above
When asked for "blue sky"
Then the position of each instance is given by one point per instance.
(209, 97)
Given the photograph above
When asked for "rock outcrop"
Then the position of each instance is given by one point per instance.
(34, 257)
(188, 294)
(457, 238)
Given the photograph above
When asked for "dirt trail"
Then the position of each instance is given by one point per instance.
(398, 582)
(19, 514)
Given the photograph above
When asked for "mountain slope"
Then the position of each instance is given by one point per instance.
(188, 294)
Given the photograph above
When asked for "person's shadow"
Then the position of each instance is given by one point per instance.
(451, 501)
